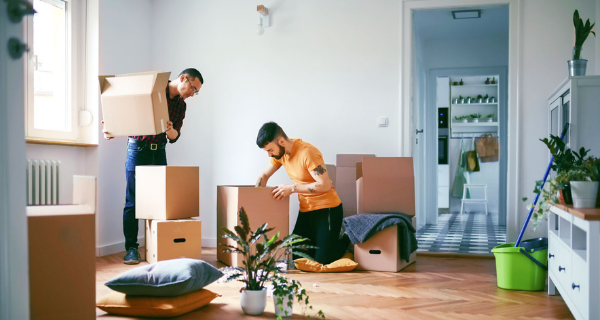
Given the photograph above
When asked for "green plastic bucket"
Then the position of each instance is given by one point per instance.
(524, 267)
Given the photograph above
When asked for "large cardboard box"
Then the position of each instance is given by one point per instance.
(260, 207)
(350, 160)
(381, 252)
(62, 265)
(386, 185)
(135, 104)
(167, 192)
(173, 239)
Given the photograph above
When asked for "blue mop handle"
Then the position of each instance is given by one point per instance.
(562, 135)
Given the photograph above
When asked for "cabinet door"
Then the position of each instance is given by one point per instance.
(554, 117)
(565, 115)
(443, 92)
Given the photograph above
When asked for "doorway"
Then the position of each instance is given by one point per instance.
(461, 106)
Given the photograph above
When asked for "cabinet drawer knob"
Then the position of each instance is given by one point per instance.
(575, 286)
(560, 268)
(550, 255)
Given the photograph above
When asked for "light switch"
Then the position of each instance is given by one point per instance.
(382, 122)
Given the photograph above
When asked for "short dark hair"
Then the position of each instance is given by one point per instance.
(195, 74)
(268, 133)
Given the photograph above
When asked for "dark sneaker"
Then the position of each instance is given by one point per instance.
(132, 256)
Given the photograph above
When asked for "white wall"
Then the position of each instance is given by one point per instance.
(125, 47)
(547, 41)
(469, 53)
(324, 71)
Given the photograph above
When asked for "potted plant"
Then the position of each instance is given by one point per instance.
(494, 80)
(285, 292)
(487, 81)
(468, 99)
(461, 99)
(454, 83)
(584, 187)
(492, 100)
(577, 65)
(461, 118)
(490, 117)
(475, 117)
(479, 99)
(461, 82)
(259, 260)
(486, 99)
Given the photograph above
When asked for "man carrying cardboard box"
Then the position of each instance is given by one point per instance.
(150, 150)
(320, 216)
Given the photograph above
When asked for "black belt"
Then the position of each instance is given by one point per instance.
(153, 146)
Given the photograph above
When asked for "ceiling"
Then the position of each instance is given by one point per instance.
(439, 24)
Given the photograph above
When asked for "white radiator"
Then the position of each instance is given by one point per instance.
(43, 182)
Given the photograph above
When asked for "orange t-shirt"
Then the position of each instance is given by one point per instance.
(303, 159)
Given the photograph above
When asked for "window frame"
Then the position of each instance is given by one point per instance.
(76, 84)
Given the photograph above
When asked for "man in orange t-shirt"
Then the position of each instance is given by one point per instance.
(321, 214)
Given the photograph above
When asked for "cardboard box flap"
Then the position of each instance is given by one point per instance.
(350, 160)
(162, 79)
(155, 72)
(392, 167)
(128, 86)
(103, 82)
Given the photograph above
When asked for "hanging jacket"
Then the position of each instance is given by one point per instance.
(461, 177)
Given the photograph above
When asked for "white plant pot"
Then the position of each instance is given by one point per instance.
(287, 309)
(475, 120)
(253, 302)
(464, 120)
(584, 193)
(490, 119)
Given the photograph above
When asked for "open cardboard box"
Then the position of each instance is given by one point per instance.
(260, 207)
(384, 185)
(135, 104)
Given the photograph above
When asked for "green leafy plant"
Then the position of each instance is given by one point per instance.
(486, 96)
(582, 31)
(491, 115)
(475, 115)
(479, 97)
(460, 97)
(460, 117)
(564, 158)
(259, 258)
(291, 289)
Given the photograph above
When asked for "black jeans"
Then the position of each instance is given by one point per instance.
(322, 227)
(138, 154)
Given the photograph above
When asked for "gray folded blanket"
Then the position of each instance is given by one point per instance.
(361, 227)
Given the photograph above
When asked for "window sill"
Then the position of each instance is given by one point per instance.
(63, 143)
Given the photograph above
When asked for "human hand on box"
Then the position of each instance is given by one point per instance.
(107, 136)
(282, 191)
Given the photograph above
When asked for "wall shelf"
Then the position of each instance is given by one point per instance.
(474, 104)
(475, 124)
(475, 85)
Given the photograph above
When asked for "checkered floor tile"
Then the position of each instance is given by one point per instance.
(473, 233)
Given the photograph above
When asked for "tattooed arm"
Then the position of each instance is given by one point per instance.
(322, 184)
(265, 175)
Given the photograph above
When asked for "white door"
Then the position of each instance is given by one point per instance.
(14, 278)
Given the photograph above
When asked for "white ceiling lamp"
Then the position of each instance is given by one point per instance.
(466, 14)
(263, 19)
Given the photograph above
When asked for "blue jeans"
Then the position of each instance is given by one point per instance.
(138, 154)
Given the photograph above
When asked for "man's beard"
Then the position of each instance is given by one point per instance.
(281, 153)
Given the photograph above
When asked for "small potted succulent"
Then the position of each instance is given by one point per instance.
(492, 100)
(468, 100)
(486, 99)
(461, 82)
(475, 117)
(455, 101)
(493, 80)
(479, 99)
(285, 291)
(461, 99)
(490, 117)
(461, 118)
(454, 83)
(487, 81)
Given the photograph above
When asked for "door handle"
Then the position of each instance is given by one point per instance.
(417, 131)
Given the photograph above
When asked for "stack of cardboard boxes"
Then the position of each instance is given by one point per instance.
(168, 197)
(260, 208)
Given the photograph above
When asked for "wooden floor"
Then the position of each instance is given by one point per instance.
(433, 288)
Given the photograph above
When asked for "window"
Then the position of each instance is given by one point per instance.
(55, 71)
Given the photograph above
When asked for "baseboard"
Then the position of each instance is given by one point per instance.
(117, 247)
(120, 246)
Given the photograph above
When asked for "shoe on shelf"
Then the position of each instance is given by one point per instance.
(132, 256)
